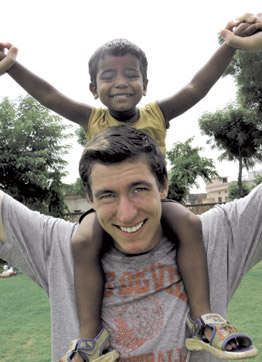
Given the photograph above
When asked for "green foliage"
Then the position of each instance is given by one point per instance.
(235, 193)
(257, 180)
(246, 68)
(76, 188)
(31, 150)
(81, 136)
(237, 131)
(186, 167)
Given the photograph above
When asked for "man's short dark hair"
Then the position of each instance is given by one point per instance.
(117, 48)
(119, 144)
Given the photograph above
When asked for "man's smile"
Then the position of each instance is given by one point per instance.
(133, 229)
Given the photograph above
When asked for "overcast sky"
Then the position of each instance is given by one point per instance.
(56, 39)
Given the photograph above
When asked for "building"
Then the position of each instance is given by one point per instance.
(77, 205)
(217, 190)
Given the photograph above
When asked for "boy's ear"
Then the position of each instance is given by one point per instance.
(145, 87)
(93, 90)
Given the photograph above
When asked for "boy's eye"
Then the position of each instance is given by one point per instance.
(107, 76)
(132, 74)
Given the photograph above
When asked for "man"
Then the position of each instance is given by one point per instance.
(145, 305)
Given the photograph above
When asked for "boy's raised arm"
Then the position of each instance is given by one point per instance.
(47, 95)
(204, 79)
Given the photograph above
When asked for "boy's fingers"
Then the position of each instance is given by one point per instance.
(232, 24)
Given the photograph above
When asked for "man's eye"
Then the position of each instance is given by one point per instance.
(106, 196)
(140, 189)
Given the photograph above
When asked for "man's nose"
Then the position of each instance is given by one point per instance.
(127, 211)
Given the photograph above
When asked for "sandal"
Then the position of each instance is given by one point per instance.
(91, 349)
(222, 334)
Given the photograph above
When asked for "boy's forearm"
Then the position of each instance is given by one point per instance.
(207, 76)
(34, 85)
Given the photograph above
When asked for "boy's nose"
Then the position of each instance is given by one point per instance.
(121, 83)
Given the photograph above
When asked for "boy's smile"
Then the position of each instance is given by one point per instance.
(127, 200)
(120, 84)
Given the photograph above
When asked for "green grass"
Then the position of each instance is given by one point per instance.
(25, 319)
(245, 308)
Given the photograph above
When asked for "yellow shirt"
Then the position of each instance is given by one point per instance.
(151, 120)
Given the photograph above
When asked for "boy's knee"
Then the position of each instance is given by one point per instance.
(80, 242)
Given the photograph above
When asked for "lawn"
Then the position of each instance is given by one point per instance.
(25, 320)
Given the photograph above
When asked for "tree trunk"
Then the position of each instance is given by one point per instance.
(239, 180)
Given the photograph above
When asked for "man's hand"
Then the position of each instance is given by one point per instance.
(9, 60)
(244, 33)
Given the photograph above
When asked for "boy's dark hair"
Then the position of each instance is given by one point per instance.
(118, 144)
(117, 48)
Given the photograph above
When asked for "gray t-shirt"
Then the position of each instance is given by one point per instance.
(145, 305)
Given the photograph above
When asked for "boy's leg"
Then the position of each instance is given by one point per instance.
(88, 275)
(185, 229)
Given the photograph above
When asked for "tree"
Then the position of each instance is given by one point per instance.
(81, 136)
(76, 188)
(234, 192)
(186, 167)
(31, 150)
(246, 68)
(237, 132)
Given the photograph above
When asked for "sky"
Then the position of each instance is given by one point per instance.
(57, 37)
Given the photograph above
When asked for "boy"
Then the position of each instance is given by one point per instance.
(118, 78)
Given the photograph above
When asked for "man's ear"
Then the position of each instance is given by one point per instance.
(93, 90)
(145, 87)
(164, 191)
(89, 200)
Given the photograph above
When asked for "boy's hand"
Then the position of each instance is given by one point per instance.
(247, 36)
(9, 60)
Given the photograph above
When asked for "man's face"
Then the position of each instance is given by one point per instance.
(127, 201)
(120, 84)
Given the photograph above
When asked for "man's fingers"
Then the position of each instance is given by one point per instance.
(5, 46)
(9, 60)
(247, 17)
(249, 44)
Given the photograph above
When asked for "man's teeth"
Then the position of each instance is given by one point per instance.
(133, 229)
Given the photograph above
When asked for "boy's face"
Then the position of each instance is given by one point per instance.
(120, 85)
(128, 206)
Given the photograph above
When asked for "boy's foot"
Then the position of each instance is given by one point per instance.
(212, 333)
(90, 350)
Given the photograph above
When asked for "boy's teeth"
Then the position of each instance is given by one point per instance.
(121, 96)
(133, 229)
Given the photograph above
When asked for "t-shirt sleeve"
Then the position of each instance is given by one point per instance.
(33, 239)
(233, 238)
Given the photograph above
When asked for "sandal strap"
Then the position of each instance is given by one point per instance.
(91, 349)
